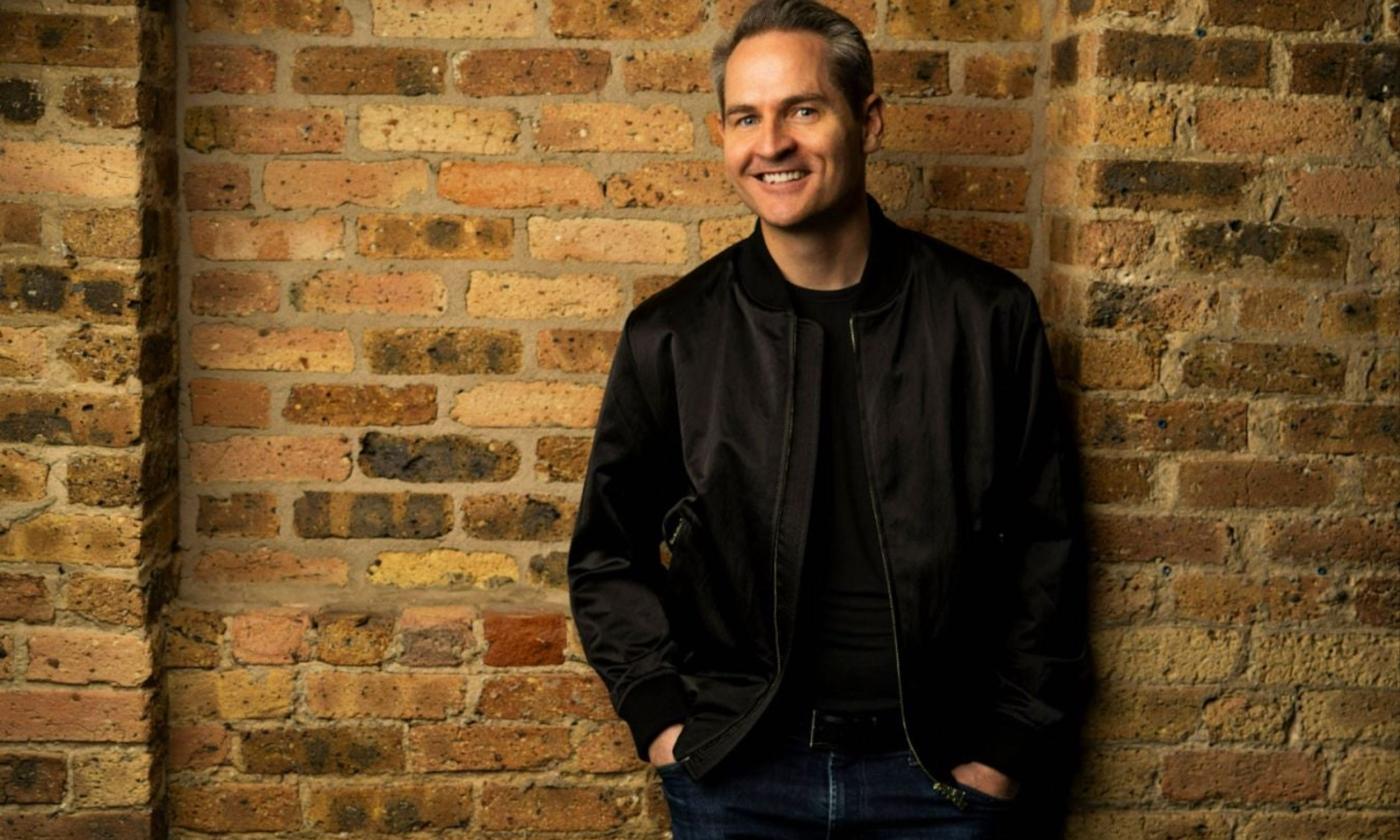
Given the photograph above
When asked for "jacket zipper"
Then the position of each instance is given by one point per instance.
(885, 564)
(777, 538)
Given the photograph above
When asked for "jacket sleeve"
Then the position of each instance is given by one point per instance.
(614, 568)
(1043, 666)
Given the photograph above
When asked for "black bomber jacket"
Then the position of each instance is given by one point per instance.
(706, 439)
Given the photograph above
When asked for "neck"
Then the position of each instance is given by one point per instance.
(830, 257)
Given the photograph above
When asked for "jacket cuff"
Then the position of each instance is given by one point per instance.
(650, 707)
(1006, 746)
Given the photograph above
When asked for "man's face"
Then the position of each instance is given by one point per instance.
(782, 114)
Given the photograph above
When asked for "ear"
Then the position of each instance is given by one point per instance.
(874, 126)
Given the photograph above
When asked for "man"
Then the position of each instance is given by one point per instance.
(848, 435)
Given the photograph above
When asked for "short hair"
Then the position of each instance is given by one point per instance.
(852, 70)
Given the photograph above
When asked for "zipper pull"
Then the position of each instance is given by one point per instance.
(952, 794)
(853, 332)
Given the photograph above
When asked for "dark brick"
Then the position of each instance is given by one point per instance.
(94, 100)
(1182, 59)
(550, 569)
(239, 515)
(1283, 249)
(412, 516)
(101, 825)
(456, 350)
(20, 101)
(1369, 70)
(24, 598)
(75, 40)
(1287, 15)
(1168, 185)
(1378, 601)
(432, 647)
(517, 516)
(1064, 61)
(440, 458)
(323, 750)
(31, 778)
(394, 71)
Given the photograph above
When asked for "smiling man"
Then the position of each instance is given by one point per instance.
(848, 434)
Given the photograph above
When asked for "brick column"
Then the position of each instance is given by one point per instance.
(1222, 198)
(87, 435)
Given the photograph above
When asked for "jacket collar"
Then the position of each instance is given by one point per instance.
(884, 276)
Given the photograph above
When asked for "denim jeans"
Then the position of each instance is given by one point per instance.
(783, 789)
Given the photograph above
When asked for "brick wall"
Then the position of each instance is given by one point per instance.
(408, 232)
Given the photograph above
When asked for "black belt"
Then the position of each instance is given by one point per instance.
(876, 730)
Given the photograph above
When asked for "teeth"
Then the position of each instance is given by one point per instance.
(780, 177)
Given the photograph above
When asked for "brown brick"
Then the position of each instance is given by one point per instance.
(396, 71)
(1317, 824)
(535, 403)
(1170, 539)
(613, 127)
(1129, 122)
(1249, 716)
(1286, 16)
(109, 825)
(238, 515)
(1362, 312)
(514, 639)
(607, 240)
(198, 746)
(562, 458)
(1102, 243)
(322, 750)
(75, 714)
(105, 540)
(1254, 483)
(1109, 478)
(1380, 481)
(1287, 250)
(932, 20)
(998, 76)
(105, 480)
(437, 458)
(99, 101)
(486, 746)
(694, 183)
(235, 806)
(216, 236)
(1342, 429)
(356, 638)
(911, 72)
(1095, 363)
(1167, 185)
(224, 68)
(229, 403)
(517, 516)
(976, 188)
(360, 405)
(71, 40)
(192, 638)
(1325, 659)
(576, 351)
(1181, 306)
(550, 808)
(331, 183)
(270, 637)
(434, 236)
(1262, 126)
(23, 355)
(393, 808)
(1351, 70)
(67, 418)
(32, 778)
(1244, 777)
(19, 224)
(356, 694)
(532, 72)
(513, 185)
(493, 294)
(251, 17)
(1272, 309)
(247, 129)
(553, 698)
(1347, 541)
(433, 19)
(668, 71)
(217, 186)
(454, 350)
(266, 565)
(247, 458)
(112, 779)
(950, 129)
(319, 515)
(1238, 599)
(626, 20)
(111, 600)
(1335, 191)
(21, 101)
(1254, 367)
(231, 694)
(88, 171)
(1160, 654)
(101, 355)
(1166, 714)
(25, 598)
(225, 292)
(1175, 425)
(23, 477)
(236, 347)
(1182, 59)
(393, 292)
(1347, 714)
(1378, 602)
(75, 656)
(1384, 378)
(438, 128)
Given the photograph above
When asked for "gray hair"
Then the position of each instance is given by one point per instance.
(852, 70)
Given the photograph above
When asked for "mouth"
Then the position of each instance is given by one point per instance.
(783, 177)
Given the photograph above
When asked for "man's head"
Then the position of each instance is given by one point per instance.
(796, 93)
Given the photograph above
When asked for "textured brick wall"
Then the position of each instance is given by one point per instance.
(408, 234)
(88, 396)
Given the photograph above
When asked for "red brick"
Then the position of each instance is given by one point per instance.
(668, 71)
(224, 292)
(75, 715)
(576, 351)
(523, 639)
(532, 72)
(1148, 539)
(330, 183)
(235, 806)
(361, 405)
(251, 17)
(1255, 483)
(271, 458)
(1342, 429)
(1335, 191)
(346, 694)
(265, 565)
(217, 186)
(513, 185)
(1243, 777)
(1165, 426)
(229, 403)
(393, 71)
(1254, 367)
(221, 68)
(626, 20)
(87, 171)
(217, 236)
(557, 697)
(1237, 599)
(246, 129)
(270, 637)
(486, 746)
(199, 746)
(555, 808)
(1005, 243)
(25, 598)
(1266, 126)
(236, 347)
(949, 129)
(32, 778)
(76, 656)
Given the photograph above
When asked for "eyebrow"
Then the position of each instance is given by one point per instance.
(784, 105)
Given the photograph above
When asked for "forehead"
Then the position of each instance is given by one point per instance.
(771, 65)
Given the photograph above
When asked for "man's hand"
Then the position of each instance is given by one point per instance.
(986, 779)
(661, 750)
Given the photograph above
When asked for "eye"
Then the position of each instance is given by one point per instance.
(806, 110)
(743, 120)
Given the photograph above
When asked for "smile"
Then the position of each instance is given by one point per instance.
(781, 177)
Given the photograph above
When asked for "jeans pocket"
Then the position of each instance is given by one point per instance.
(975, 795)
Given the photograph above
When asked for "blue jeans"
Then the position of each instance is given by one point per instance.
(783, 789)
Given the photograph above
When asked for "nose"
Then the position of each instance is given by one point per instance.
(775, 141)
